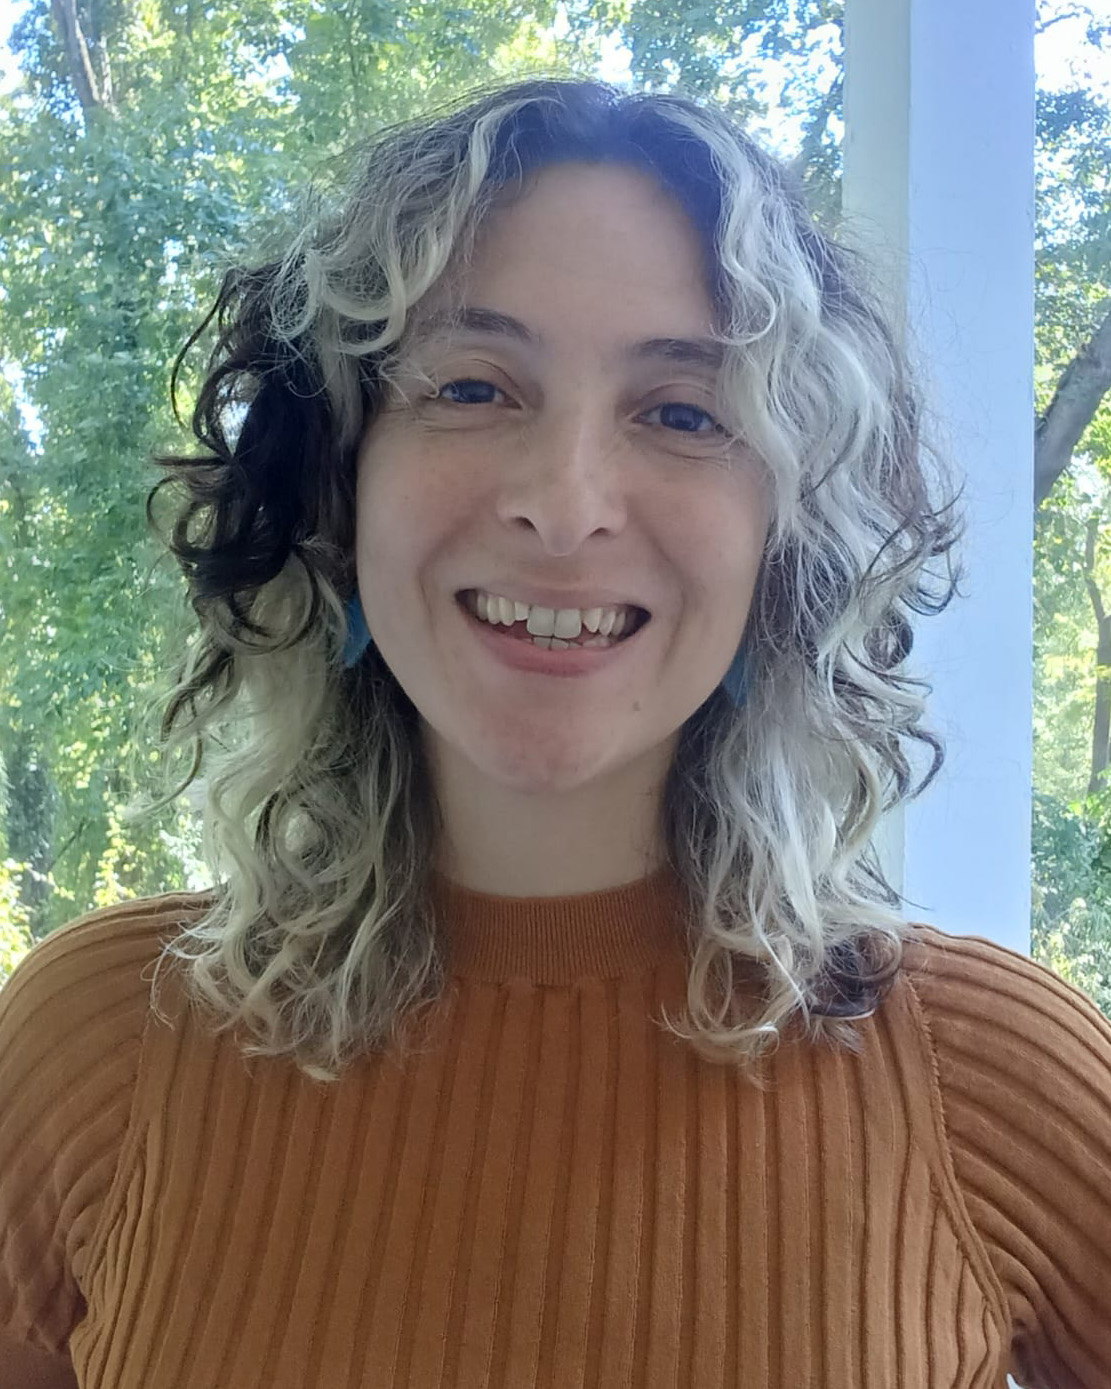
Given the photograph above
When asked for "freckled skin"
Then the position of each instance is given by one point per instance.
(570, 476)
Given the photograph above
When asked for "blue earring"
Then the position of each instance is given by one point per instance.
(358, 633)
(735, 680)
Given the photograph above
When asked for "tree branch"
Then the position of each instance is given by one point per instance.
(19, 508)
(1083, 384)
(816, 126)
(1044, 24)
(77, 833)
(1094, 594)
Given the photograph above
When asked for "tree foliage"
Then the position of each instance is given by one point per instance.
(1072, 550)
(149, 136)
(184, 134)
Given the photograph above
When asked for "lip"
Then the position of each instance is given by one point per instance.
(549, 598)
(572, 663)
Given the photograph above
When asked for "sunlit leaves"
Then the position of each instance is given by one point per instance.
(114, 223)
(113, 227)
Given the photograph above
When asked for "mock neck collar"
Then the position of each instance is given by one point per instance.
(616, 933)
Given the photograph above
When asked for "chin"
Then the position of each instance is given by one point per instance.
(537, 770)
(532, 757)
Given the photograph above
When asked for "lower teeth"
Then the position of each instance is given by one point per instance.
(558, 644)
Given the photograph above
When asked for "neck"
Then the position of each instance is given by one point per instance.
(525, 843)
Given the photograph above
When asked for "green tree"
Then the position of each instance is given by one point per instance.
(101, 218)
(1072, 551)
(146, 135)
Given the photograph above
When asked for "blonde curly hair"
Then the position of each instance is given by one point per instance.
(320, 820)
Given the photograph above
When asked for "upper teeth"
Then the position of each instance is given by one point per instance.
(564, 623)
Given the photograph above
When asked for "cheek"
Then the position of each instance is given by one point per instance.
(725, 545)
(408, 512)
(390, 536)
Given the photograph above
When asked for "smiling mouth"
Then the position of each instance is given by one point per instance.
(556, 629)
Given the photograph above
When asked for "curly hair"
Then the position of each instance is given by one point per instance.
(321, 821)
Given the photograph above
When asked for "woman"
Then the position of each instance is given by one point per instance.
(560, 514)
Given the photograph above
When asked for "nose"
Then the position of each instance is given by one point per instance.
(565, 485)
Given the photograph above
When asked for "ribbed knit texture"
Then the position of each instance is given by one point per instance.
(554, 1191)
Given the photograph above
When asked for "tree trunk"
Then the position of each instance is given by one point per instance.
(81, 71)
(1101, 723)
(1082, 386)
(30, 820)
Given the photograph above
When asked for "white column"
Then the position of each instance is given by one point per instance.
(939, 145)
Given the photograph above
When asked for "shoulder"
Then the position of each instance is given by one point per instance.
(976, 991)
(74, 1012)
(1003, 1026)
(1022, 1062)
(96, 966)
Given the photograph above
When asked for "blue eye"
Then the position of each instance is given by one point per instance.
(468, 392)
(685, 419)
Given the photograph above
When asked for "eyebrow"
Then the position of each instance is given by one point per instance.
(472, 320)
(691, 352)
(694, 352)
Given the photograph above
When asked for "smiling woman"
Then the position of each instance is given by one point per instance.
(548, 444)
(554, 542)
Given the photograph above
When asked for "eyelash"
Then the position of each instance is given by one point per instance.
(715, 427)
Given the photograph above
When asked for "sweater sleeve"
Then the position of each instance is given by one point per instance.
(1024, 1064)
(71, 1025)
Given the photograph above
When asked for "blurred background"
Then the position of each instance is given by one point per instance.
(145, 144)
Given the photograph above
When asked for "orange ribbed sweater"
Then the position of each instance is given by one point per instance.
(555, 1191)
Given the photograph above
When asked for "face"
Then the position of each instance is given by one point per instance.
(557, 543)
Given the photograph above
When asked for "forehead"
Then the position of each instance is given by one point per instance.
(603, 246)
